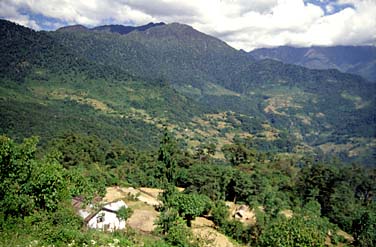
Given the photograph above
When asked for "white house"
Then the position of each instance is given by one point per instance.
(104, 218)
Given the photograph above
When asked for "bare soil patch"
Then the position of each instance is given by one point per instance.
(143, 219)
(213, 237)
(146, 195)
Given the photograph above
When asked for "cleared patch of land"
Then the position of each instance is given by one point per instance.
(143, 200)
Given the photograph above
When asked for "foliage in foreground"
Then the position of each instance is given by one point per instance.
(36, 187)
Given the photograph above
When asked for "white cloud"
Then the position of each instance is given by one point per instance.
(242, 23)
(10, 12)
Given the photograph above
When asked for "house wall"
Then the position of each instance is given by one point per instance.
(110, 221)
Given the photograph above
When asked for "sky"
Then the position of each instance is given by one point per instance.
(243, 24)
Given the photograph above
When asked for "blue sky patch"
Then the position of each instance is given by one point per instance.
(329, 6)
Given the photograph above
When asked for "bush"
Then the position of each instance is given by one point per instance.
(220, 213)
(124, 213)
(174, 229)
(294, 232)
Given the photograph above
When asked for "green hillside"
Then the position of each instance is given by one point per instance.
(359, 60)
(311, 105)
(170, 107)
(172, 76)
(46, 90)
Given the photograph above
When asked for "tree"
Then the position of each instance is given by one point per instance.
(80, 149)
(166, 220)
(27, 184)
(188, 206)
(237, 230)
(242, 187)
(210, 180)
(318, 182)
(220, 213)
(174, 229)
(192, 205)
(365, 228)
(343, 207)
(167, 155)
(237, 154)
(168, 196)
(211, 148)
(298, 231)
(124, 213)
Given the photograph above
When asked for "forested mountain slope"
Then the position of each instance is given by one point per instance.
(126, 29)
(47, 90)
(360, 60)
(171, 107)
(292, 98)
(172, 76)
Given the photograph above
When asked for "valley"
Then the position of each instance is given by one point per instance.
(197, 79)
(191, 133)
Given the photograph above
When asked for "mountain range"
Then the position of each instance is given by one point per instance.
(112, 28)
(130, 83)
(360, 60)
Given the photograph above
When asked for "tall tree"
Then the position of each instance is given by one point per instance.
(168, 156)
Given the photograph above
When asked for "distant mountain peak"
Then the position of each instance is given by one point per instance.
(184, 33)
(181, 27)
(126, 29)
(152, 24)
(112, 28)
(360, 60)
(73, 28)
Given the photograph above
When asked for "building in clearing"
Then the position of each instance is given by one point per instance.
(100, 217)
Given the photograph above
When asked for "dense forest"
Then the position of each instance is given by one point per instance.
(165, 106)
(324, 197)
(101, 81)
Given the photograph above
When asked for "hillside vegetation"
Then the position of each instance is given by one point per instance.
(169, 76)
(359, 60)
(38, 184)
(165, 106)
